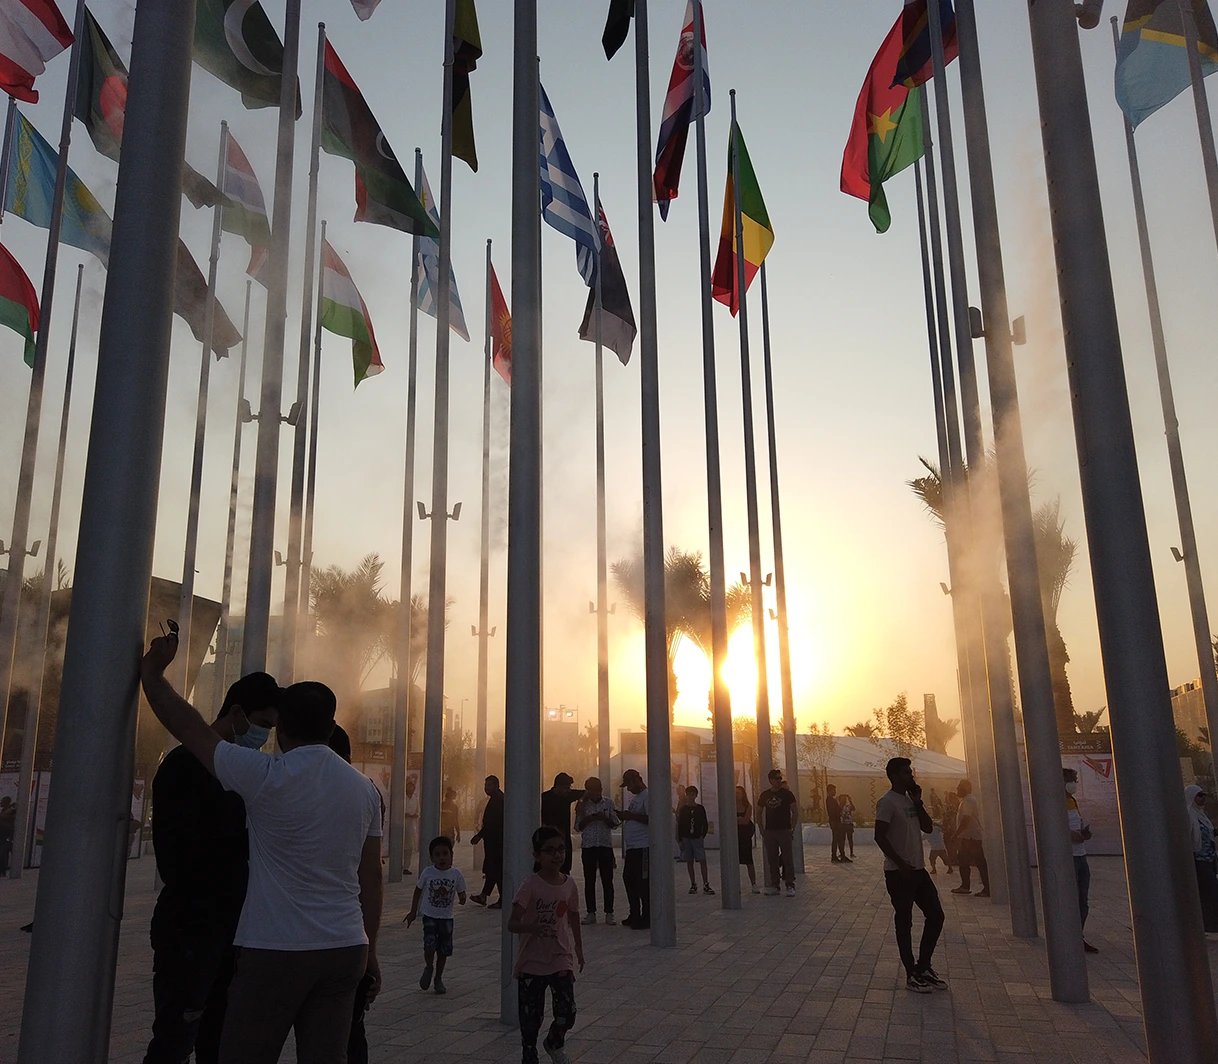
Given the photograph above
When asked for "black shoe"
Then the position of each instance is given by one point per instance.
(496, 904)
(846, 860)
(693, 889)
(440, 987)
(983, 893)
(918, 985)
(640, 926)
(425, 978)
(929, 975)
(630, 921)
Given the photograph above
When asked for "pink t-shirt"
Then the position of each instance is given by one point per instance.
(545, 903)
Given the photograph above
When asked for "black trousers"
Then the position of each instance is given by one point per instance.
(492, 868)
(531, 1009)
(970, 853)
(357, 1041)
(190, 977)
(907, 890)
(598, 860)
(637, 880)
(837, 843)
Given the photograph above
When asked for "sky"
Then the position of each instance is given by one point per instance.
(853, 399)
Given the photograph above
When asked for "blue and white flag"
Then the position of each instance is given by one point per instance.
(563, 203)
(429, 271)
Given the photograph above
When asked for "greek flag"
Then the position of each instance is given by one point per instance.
(429, 271)
(563, 203)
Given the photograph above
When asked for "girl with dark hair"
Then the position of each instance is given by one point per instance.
(745, 831)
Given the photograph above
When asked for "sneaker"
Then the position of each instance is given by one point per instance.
(961, 890)
(478, 899)
(557, 1054)
(790, 891)
(693, 889)
(1088, 947)
(918, 985)
(756, 889)
(630, 921)
(609, 919)
(929, 975)
(846, 860)
(496, 904)
(425, 978)
(707, 889)
(589, 918)
(441, 988)
(983, 893)
(771, 892)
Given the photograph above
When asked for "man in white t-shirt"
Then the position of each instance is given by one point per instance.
(307, 933)
(900, 822)
(636, 844)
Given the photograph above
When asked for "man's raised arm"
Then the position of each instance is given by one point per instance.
(171, 709)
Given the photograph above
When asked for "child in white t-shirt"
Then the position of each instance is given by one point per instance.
(439, 886)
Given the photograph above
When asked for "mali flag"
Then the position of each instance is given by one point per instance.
(1152, 65)
(755, 222)
(886, 135)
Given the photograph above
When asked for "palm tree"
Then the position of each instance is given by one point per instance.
(864, 729)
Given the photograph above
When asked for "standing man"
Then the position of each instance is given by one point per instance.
(969, 849)
(490, 834)
(556, 811)
(837, 829)
(1080, 832)
(636, 841)
(595, 819)
(411, 808)
(202, 858)
(900, 822)
(776, 806)
(692, 828)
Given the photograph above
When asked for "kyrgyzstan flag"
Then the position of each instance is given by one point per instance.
(501, 331)
(32, 33)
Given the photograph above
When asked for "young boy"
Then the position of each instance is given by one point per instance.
(439, 885)
(692, 827)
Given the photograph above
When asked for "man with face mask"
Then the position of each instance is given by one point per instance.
(1079, 834)
(202, 856)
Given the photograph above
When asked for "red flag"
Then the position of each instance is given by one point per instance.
(501, 331)
(32, 32)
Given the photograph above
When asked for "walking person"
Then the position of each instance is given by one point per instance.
(900, 822)
(746, 831)
(1201, 830)
(490, 834)
(693, 825)
(837, 833)
(440, 886)
(848, 822)
(776, 805)
(636, 844)
(1080, 832)
(938, 850)
(545, 914)
(595, 819)
(556, 811)
(951, 808)
(411, 811)
(970, 851)
(450, 817)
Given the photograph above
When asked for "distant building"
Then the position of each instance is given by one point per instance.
(560, 743)
(1188, 708)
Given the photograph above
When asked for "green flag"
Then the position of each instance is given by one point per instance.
(235, 41)
(467, 50)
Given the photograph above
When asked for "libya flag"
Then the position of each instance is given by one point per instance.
(467, 50)
(343, 312)
(235, 41)
(18, 302)
(755, 223)
(383, 194)
(886, 135)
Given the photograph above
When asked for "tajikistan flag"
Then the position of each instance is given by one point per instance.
(343, 312)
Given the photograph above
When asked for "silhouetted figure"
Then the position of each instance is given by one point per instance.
(490, 834)
(556, 810)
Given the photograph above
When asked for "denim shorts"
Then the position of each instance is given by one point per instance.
(438, 935)
(693, 850)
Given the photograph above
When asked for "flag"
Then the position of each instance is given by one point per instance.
(758, 233)
(1152, 64)
(244, 208)
(383, 194)
(190, 304)
(32, 32)
(680, 109)
(343, 312)
(235, 41)
(429, 272)
(563, 203)
(501, 331)
(886, 134)
(18, 302)
(915, 62)
(618, 329)
(467, 50)
(617, 26)
(364, 8)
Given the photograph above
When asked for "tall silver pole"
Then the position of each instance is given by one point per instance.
(1055, 865)
(29, 740)
(1175, 454)
(602, 549)
(6, 151)
(266, 460)
(186, 599)
(1205, 125)
(765, 754)
(10, 598)
(780, 583)
(401, 684)
(306, 567)
(1174, 976)
(661, 828)
(721, 696)
(437, 587)
(522, 731)
(69, 988)
(234, 488)
(484, 568)
(292, 570)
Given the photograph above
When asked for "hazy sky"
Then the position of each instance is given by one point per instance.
(853, 393)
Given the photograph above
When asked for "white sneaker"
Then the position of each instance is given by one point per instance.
(771, 892)
(609, 919)
(589, 918)
(790, 891)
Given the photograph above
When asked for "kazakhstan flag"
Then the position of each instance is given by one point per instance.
(1152, 65)
(31, 192)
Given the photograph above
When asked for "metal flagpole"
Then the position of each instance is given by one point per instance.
(186, 599)
(602, 552)
(1171, 428)
(405, 666)
(10, 598)
(25, 778)
(1205, 126)
(266, 462)
(1055, 864)
(292, 573)
(659, 741)
(522, 731)
(484, 568)
(780, 583)
(1169, 943)
(69, 988)
(226, 595)
(765, 753)
(437, 588)
(306, 568)
(6, 152)
(721, 697)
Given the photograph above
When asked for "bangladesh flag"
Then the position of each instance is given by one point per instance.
(343, 312)
(383, 194)
(235, 41)
(467, 50)
(18, 302)
(886, 135)
(755, 222)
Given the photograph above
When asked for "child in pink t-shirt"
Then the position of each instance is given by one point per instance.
(545, 914)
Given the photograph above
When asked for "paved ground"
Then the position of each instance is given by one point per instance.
(813, 978)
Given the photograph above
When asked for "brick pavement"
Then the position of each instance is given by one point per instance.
(813, 978)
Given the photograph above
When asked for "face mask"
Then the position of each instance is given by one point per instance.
(254, 738)
(1071, 787)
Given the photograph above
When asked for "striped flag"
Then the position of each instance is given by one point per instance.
(756, 229)
(32, 32)
(563, 203)
(18, 302)
(429, 271)
(245, 212)
(680, 110)
(343, 312)
(501, 331)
